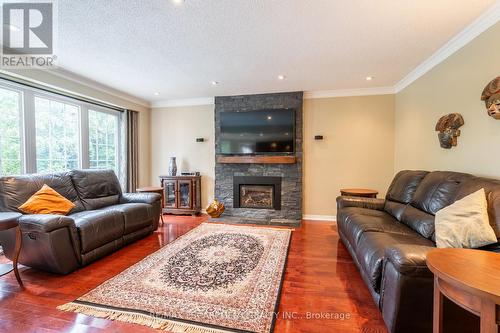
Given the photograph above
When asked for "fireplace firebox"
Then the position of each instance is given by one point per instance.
(257, 192)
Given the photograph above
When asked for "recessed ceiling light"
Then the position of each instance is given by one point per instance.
(369, 78)
(177, 2)
(269, 117)
(214, 83)
(281, 77)
(156, 93)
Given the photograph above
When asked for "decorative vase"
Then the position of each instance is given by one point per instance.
(172, 167)
(215, 209)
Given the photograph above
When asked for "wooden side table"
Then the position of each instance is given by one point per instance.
(154, 189)
(9, 220)
(359, 192)
(471, 279)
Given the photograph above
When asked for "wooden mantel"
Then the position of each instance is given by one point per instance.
(264, 159)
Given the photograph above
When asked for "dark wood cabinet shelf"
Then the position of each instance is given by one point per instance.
(182, 194)
(257, 159)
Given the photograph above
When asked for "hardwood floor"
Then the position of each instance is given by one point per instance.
(320, 279)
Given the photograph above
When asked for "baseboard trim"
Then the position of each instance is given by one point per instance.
(332, 218)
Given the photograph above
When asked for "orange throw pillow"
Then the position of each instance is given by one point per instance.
(47, 201)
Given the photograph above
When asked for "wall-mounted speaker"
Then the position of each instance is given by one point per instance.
(318, 137)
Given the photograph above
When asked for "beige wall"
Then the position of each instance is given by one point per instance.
(174, 132)
(357, 149)
(46, 77)
(455, 85)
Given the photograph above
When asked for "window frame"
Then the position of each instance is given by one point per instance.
(118, 139)
(21, 122)
(27, 126)
(62, 100)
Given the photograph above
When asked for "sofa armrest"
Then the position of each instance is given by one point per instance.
(148, 198)
(409, 260)
(369, 203)
(45, 222)
(50, 243)
(406, 288)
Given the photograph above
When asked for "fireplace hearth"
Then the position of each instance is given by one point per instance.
(257, 192)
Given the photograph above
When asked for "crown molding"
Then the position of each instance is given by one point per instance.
(70, 76)
(183, 102)
(307, 95)
(349, 92)
(478, 26)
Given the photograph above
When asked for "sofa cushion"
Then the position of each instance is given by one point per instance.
(420, 221)
(465, 223)
(96, 188)
(402, 190)
(47, 201)
(395, 209)
(492, 189)
(437, 190)
(16, 190)
(135, 215)
(370, 251)
(344, 213)
(404, 185)
(98, 227)
(358, 223)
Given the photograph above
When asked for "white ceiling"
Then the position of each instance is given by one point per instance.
(142, 47)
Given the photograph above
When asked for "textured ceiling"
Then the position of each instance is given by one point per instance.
(142, 47)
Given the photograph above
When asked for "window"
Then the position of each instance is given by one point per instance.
(103, 140)
(57, 135)
(10, 132)
(43, 132)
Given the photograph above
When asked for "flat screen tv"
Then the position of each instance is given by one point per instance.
(257, 132)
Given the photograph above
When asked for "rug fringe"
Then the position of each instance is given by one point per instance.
(137, 318)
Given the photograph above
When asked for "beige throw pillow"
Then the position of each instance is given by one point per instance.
(465, 223)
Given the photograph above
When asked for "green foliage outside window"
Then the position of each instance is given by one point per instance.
(10, 136)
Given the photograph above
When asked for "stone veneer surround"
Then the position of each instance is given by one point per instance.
(291, 186)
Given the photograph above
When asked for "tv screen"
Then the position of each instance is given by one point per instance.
(257, 132)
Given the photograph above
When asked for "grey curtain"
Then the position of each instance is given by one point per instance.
(130, 162)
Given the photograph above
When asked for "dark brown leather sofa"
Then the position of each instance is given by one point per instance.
(104, 219)
(389, 239)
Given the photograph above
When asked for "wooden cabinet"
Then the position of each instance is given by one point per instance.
(182, 194)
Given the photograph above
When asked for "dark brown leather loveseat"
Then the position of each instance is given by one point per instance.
(104, 219)
(389, 239)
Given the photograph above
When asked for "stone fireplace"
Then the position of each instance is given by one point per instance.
(260, 193)
(257, 192)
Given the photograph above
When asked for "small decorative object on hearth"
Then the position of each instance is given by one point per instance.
(172, 167)
(215, 209)
(448, 128)
(491, 97)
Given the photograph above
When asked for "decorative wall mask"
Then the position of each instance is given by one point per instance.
(448, 128)
(491, 97)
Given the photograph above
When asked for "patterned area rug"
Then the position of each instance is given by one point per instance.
(215, 278)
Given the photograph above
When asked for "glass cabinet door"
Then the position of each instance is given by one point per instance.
(185, 194)
(169, 188)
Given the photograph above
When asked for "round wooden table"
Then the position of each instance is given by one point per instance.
(471, 279)
(359, 192)
(154, 189)
(8, 221)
